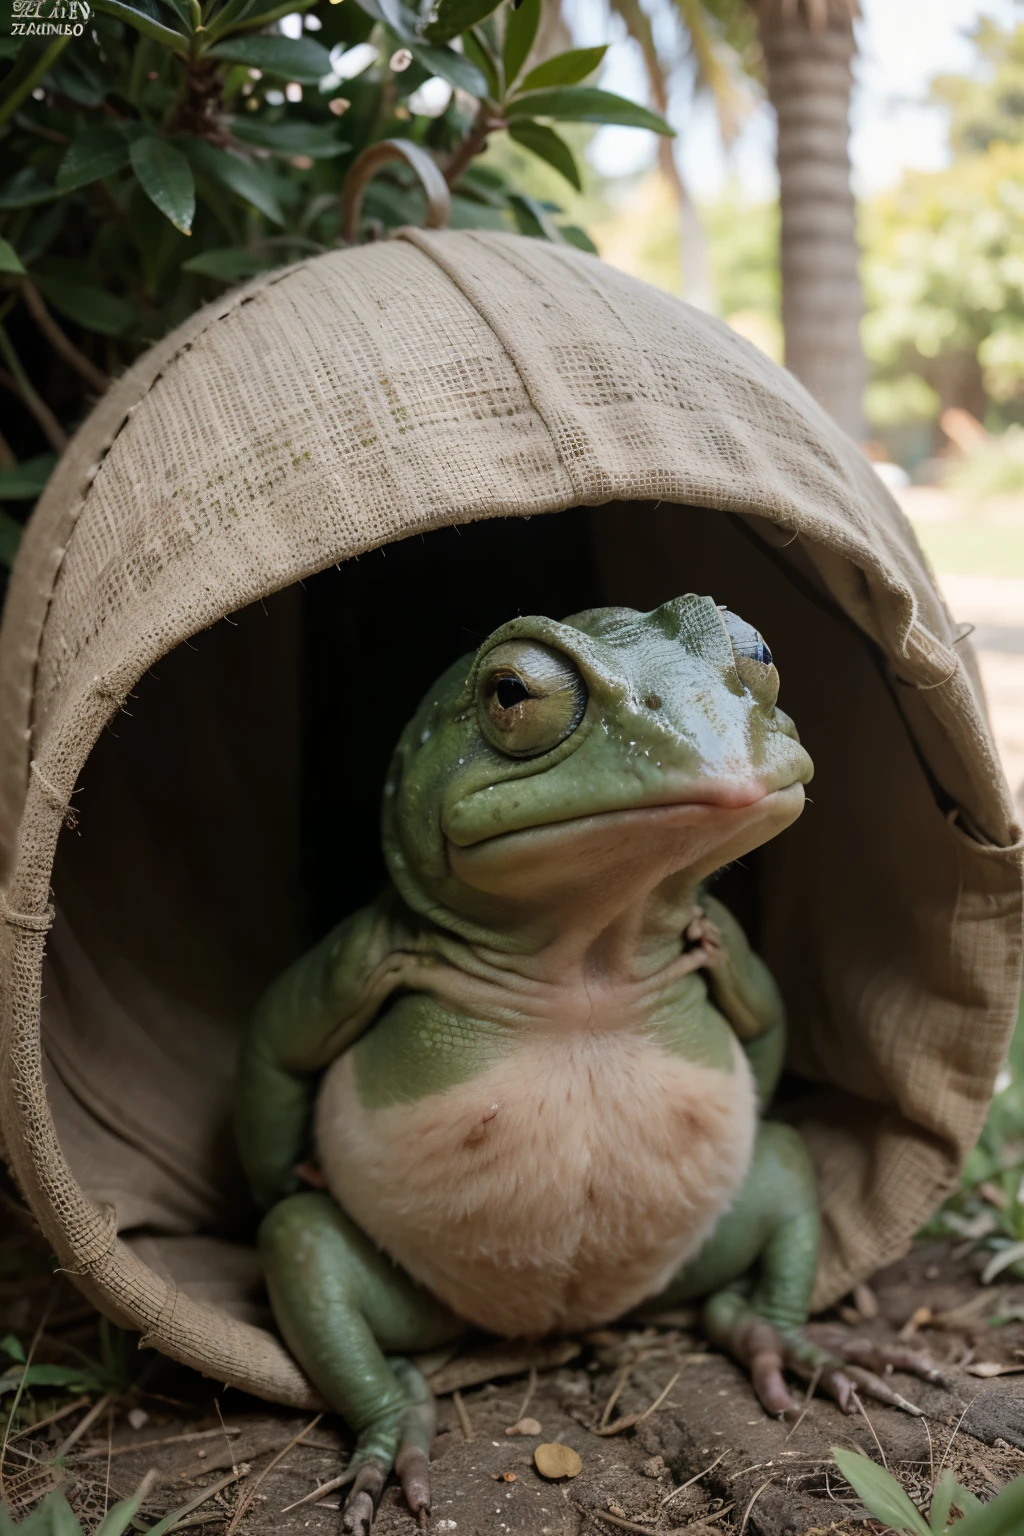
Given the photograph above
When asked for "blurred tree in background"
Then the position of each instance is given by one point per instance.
(801, 52)
(944, 264)
(176, 147)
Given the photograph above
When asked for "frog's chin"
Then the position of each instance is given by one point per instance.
(635, 847)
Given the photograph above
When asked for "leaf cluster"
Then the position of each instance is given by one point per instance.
(179, 146)
(954, 1509)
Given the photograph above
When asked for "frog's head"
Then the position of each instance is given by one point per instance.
(615, 746)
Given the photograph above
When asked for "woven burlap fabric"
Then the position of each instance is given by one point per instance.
(330, 409)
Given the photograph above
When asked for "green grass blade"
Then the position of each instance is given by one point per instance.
(879, 1491)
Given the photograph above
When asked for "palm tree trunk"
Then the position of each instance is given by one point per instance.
(809, 50)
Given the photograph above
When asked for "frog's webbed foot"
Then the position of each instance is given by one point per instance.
(399, 1440)
(842, 1365)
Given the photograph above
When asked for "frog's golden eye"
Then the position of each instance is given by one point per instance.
(529, 698)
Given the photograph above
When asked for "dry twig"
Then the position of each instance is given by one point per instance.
(243, 1504)
(460, 1409)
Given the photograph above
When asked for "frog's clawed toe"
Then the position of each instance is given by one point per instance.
(845, 1366)
(413, 1469)
(849, 1366)
(357, 1516)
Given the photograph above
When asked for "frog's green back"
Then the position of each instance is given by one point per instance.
(369, 396)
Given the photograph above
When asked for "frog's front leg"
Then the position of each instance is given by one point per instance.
(340, 1304)
(755, 1275)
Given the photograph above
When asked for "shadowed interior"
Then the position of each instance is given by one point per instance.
(230, 816)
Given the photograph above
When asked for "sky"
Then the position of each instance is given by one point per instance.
(902, 44)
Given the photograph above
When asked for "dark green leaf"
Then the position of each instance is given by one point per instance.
(25, 189)
(942, 1498)
(293, 136)
(61, 1521)
(144, 22)
(585, 104)
(879, 1491)
(548, 145)
(24, 483)
(254, 21)
(564, 68)
(10, 538)
(454, 16)
(1003, 1516)
(10, 1344)
(228, 18)
(238, 176)
(456, 68)
(292, 58)
(229, 264)
(81, 300)
(478, 52)
(74, 76)
(76, 1377)
(520, 34)
(469, 214)
(35, 58)
(96, 152)
(532, 218)
(118, 1519)
(183, 11)
(9, 259)
(573, 235)
(166, 178)
(402, 21)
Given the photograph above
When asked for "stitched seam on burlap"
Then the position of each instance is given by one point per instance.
(78, 501)
(26, 922)
(413, 237)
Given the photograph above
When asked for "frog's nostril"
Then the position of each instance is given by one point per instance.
(653, 701)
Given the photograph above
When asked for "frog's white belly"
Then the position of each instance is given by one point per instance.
(556, 1190)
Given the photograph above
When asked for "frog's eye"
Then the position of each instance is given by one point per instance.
(529, 698)
(753, 658)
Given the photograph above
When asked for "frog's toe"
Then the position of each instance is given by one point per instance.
(847, 1367)
(399, 1439)
(878, 1356)
(364, 1495)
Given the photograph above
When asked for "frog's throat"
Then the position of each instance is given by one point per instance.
(615, 889)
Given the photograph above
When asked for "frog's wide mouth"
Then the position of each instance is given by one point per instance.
(729, 804)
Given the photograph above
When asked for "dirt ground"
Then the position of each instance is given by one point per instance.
(707, 1459)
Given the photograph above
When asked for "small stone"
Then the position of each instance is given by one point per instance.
(655, 1467)
(138, 1418)
(557, 1460)
(524, 1427)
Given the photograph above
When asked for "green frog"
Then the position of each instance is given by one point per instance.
(534, 1069)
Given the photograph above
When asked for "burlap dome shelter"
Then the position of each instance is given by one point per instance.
(158, 785)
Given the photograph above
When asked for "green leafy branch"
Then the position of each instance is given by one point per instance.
(181, 145)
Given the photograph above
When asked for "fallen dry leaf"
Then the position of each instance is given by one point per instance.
(866, 1302)
(524, 1427)
(992, 1368)
(557, 1460)
(917, 1319)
